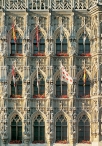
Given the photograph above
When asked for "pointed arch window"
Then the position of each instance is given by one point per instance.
(39, 88)
(82, 50)
(16, 48)
(16, 89)
(61, 48)
(59, 88)
(16, 128)
(61, 128)
(84, 129)
(39, 129)
(84, 90)
(39, 48)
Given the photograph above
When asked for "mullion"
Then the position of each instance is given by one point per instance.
(16, 131)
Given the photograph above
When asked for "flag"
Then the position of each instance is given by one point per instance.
(65, 76)
(84, 77)
(14, 33)
(37, 36)
(61, 33)
(13, 75)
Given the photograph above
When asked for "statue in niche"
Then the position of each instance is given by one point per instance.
(4, 90)
(27, 89)
(95, 88)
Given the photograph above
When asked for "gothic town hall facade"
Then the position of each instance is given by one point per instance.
(36, 107)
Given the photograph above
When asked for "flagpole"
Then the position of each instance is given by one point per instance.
(60, 76)
(61, 46)
(37, 77)
(84, 77)
(61, 36)
(84, 37)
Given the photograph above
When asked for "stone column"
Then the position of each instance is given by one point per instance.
(4, 139)
(26, 139)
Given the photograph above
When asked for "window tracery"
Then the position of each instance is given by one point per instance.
(61, 47)
(16, 48)
(39, 85)
(83, 129)
(39, 50)
(84, 90)
(61, 88)
(84, 47)
(61, 128)
(39, 129)
(16, 128)
(16, 89)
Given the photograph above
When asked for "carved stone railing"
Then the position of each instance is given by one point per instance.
(80, 62)
(38, 5)
(61, 104)
(15, 5)
(19, 60)
(15, 102)
(33, 5)
(38, 103)
(83, 104)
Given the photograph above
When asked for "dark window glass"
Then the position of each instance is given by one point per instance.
(17, 89)
(12, 88)
(16, 47)
(61, 129)
(81, 46)
(41, 87)
(83, 89)
(83, 129)
(16, 129)
(58, 88)
(39, 129)
(58, 46)
(41, 46)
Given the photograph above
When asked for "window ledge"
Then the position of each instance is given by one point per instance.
(16, 96)
(16, 54)
(84, 96)
(62, 141)
(85, 54)
(38, 96)
(15, 142)
(62, 96)
(39, 54)
(62, 54)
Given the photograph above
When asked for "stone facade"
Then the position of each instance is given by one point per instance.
(76, 17)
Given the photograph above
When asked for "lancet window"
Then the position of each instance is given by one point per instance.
(39, 129)
(39, 45)
(61, 88)
(39, 85)
(61, 128)
(16, 47)
(84, 88)
(61, 46)
(84, 48)
(16, 87)
(84, 129)
(16, 128)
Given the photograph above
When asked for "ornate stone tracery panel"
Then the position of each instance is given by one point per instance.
(15, 4)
